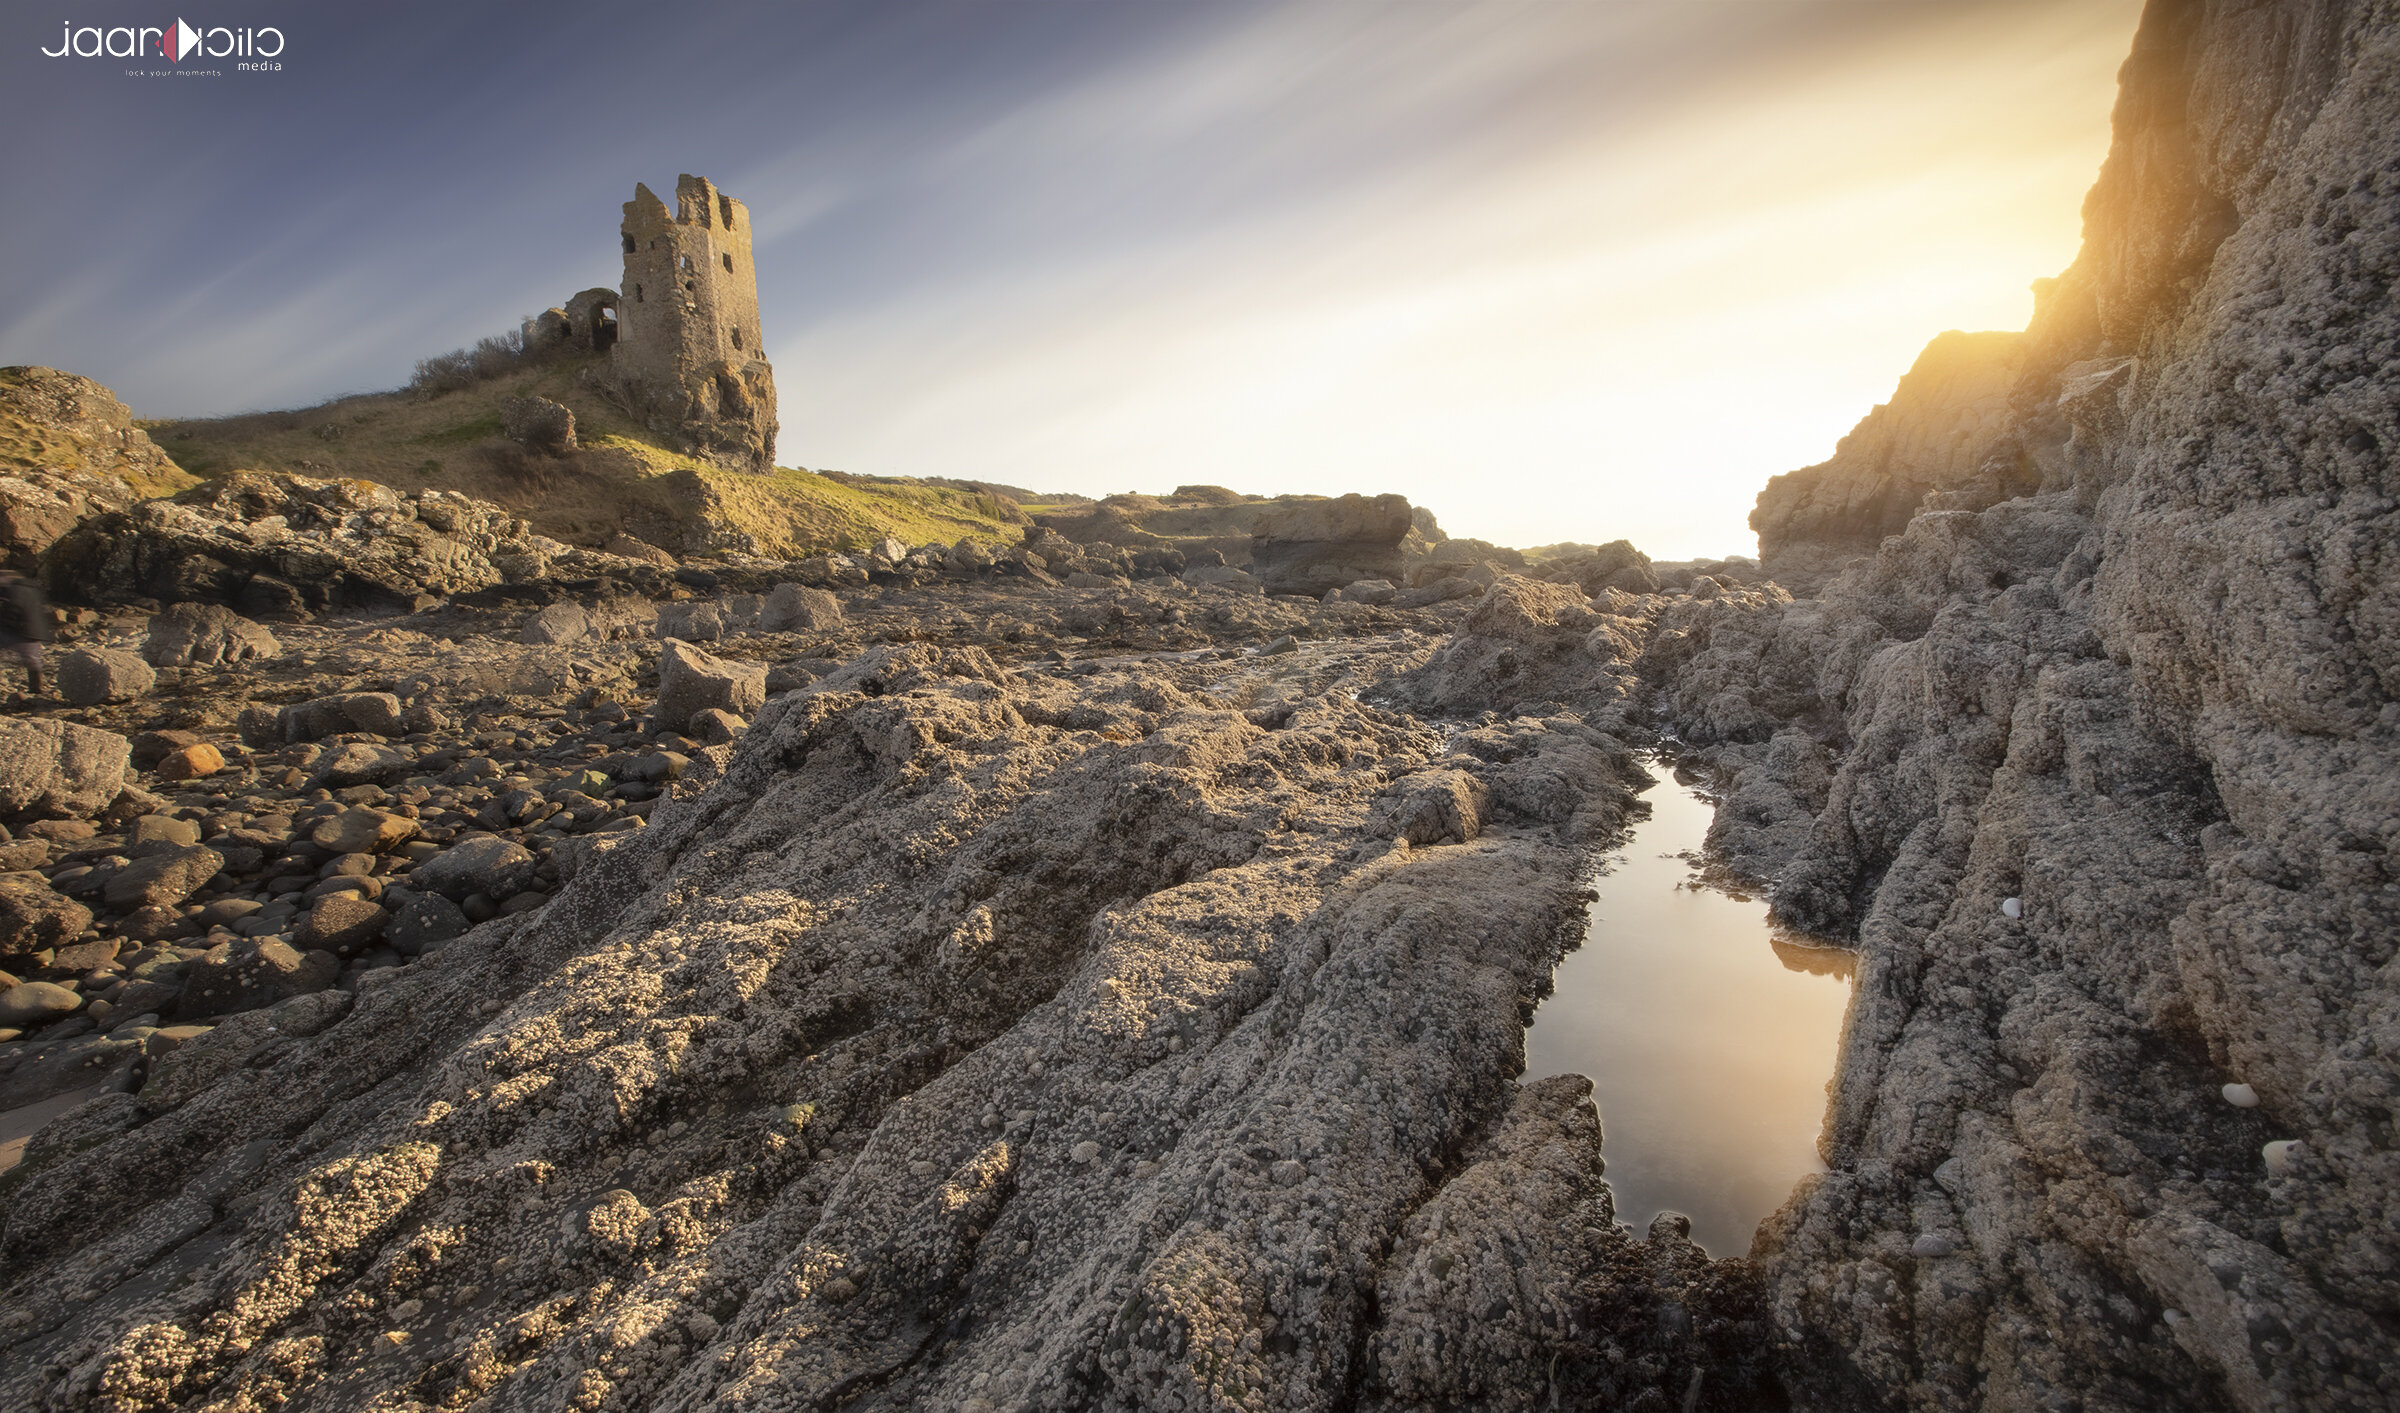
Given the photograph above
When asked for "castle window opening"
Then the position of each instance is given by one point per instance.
(637, 294)
(604, 328)
(629, 245)
(728, 263)
(737, 338)
(687, 264)
(725, 209)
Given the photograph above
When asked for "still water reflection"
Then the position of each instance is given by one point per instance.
(1708, 1038)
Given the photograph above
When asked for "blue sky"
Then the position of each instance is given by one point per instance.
(1560, 269)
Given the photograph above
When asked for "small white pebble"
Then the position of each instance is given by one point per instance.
(2279, 1156)
(2172, 1316)
(2012, 907)
(2240, 1096)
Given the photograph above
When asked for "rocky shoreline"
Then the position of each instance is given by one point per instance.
(1078, 974)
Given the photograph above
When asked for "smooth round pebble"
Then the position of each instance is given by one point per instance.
(2012, 907)
(1932, 1246)
(2279, 1156)
(2240, 1096)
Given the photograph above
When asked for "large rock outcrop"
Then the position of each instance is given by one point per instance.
(1312, 546)
(2104, 777)
(55, 769)
(277, 544)
(68, 451)
(961, 1038)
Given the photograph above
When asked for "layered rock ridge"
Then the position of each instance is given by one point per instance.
(2099, 761)
(962, 1036)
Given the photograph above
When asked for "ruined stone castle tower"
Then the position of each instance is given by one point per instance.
(682, 333)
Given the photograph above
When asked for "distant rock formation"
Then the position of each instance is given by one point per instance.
(1312, 546)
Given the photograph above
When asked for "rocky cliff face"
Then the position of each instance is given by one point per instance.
(1935, 437)
(2105, 779)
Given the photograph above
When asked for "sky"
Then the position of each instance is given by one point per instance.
(1557, 269)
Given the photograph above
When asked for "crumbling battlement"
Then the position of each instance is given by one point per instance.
(682, 332)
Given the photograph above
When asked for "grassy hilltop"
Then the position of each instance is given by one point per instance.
(622, 479)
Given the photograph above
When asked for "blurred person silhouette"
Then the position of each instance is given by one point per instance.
(24, 625)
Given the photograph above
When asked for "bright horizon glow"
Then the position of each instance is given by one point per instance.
(1575, 343)
(1557, 271)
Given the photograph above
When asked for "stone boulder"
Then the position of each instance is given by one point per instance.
(91, 676)
(1366, 591)
(33, 918)
(480, 863)
(362, 831)
(691, 681)
(205, 635)
(425, 922)
(1435, 807)
(190, 762)
(360, 763)
(628, 547)
(563, 622)
(34, 1002)
(1311, 546)
(164, 878)
(376, 713)
(58, 769)
(245, 975)
(538, 424)
(793, 608)
(343, 924)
